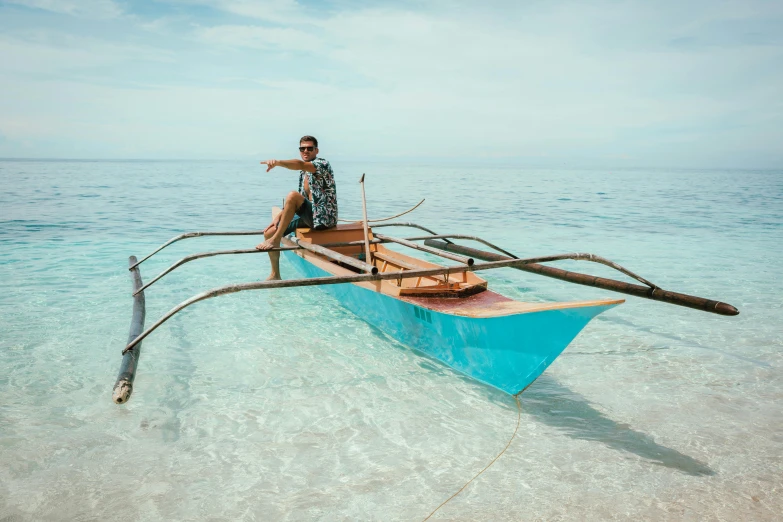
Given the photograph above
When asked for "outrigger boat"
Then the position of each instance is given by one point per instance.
(447, 312)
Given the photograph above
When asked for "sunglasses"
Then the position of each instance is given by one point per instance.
(308, 149)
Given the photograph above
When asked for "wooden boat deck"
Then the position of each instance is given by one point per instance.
(387, 260)
(463, 294)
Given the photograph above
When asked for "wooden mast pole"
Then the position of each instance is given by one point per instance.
(367, 254)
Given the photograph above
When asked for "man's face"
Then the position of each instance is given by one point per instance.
(307, 150)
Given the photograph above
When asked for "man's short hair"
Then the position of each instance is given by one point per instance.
(309, 138)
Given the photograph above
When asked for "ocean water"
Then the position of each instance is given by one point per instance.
(281, 405)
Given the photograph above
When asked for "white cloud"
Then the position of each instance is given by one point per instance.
(270, 38)
(279, 11)
(85, 8)
(532, 80)
(48, 54)
(272, 10)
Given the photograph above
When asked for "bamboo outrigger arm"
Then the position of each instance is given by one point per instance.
(130, 360)
(446, 238)
(359, 278)
(374, 241)
(202, 255)
(651, 292)
(417, 205)
(197, 234)
(189, 235)
(316, 248)
(411, 225)
(591, 257)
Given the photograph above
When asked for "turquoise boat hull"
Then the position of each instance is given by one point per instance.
(507, 352)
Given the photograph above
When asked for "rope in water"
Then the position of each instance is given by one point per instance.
(519, 415)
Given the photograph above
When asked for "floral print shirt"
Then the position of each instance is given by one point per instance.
(324, 193)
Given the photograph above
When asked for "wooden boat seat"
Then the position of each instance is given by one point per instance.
(338, 228)
(337, 234)
(461, 285)
(387, 259)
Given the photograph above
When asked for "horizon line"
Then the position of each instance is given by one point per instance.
(589, 164)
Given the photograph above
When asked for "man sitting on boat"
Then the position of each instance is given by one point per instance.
(314, 205)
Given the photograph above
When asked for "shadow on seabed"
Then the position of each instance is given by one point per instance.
(557, 406)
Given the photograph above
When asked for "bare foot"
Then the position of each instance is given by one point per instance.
(268, 245)
(273, 277)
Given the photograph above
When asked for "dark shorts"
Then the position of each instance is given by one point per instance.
(302, 219)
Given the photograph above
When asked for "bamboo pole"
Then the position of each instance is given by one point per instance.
(123, 388)
(466, 260)
(367, 254)
(331, 254)
(654, 293)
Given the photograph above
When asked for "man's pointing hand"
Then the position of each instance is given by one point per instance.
(270, 164)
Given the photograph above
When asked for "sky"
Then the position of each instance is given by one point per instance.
(694, 84)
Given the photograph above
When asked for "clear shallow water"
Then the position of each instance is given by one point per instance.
(280, 405)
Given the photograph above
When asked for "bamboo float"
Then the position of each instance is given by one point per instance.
(123, 388)
(335, 280)
(652, 292)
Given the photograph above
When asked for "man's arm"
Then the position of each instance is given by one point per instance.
(292, 164)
